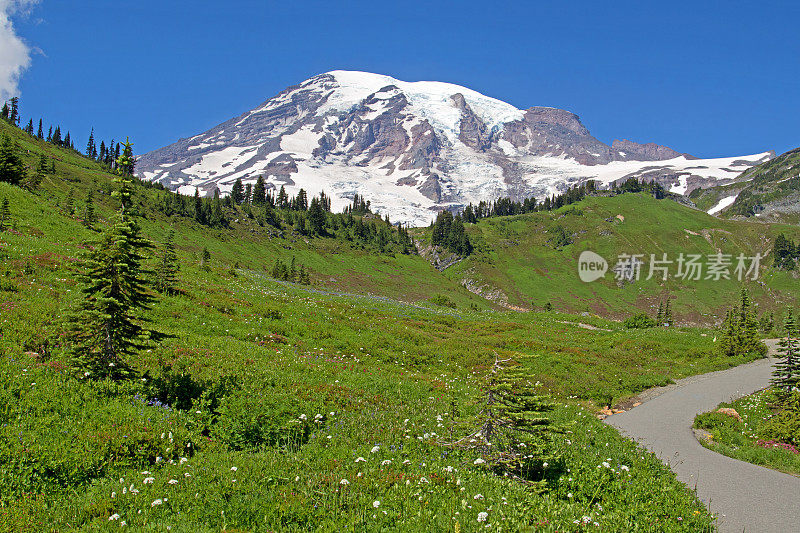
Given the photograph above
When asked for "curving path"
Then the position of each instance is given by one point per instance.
(744, 496)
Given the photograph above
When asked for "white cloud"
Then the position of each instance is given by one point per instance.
(15, 54)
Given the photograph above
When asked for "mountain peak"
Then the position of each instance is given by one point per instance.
(413, 148)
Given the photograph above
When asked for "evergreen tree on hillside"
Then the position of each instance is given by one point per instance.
(513, 427)
(217, 216)
(248, 193)
(259, 191)
(13, 116)
(12, 169)
(69, 203)
(91, 148)
(166, 280)
(237, 192)
(5, 113)
(125, 161)
(205, 260)
(108, 326)
(199, 214)
(89, 217)
(748, 340)
(667, 313)
(786, 373)
(29, 128)
(282, 201)
(316, 216)
(50, 134)
(5, 215)
(40, 131)
(270, 216)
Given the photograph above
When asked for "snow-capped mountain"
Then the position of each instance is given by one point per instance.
(415, 148)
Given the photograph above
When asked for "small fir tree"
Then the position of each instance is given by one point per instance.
(513, 428)
(786, 373)
(205, 260)
(5, 215)
(11, 168)
(89, 217)
(168, 267)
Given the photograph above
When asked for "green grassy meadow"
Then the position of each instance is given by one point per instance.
(281, 407)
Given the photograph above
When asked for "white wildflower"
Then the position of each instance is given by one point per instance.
(376, 504)
(482, 516)
(156, 502)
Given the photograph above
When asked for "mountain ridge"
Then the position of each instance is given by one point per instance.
(415, 148)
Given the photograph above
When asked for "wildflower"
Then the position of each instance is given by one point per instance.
(406, 462)
(303, 417)
(375, 449)
(544, 465)
(625, 468)
(114, 516)
(423, 480)
(361, 460)
(183, 460)
(234, 468)
(606, 465)
(148, 480)
(569, 495)
(386, 462)
(114, 494)
(376, 504)
(187, 474)
(297, 478)
(173, 481)
(156, 502)
(344, 482)
(123, 523)
(478, 497)
(482, 516)
(159, 459)
(478, 461)
(145, 473)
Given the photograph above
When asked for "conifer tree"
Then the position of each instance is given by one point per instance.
(282, 202)
(786, 372)
(69, 203)
(198, 207)
(108, 326)
(217, 217)
(248, 193)
(168, 267)
(89, 217)
(513, 428)
(259, 191)
(40, 131)
(5, 113)
(91, 149)
(13, 115)
(237, 192)
(29, 128)
(667, 313)
(126, 162)
(5, 215)
(205, 260)
(660, 313)
(50, 134)
(270, 216)
(11, 168)
(316, 216)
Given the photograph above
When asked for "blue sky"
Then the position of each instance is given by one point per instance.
(708, 78)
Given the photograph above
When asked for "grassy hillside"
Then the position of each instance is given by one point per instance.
(275, 406)
(518, 255)
(770, 191)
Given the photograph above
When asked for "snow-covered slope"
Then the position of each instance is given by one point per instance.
(413, 148)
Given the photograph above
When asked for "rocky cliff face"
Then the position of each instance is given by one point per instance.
(414, 148)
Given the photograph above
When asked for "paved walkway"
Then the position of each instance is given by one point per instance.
(744, 496)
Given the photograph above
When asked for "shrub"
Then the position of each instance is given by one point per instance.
(444, 301)
(639, 321)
